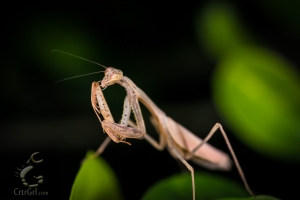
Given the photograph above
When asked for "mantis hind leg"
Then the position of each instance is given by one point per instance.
(239, 168)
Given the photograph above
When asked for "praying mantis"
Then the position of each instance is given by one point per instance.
(180, 142)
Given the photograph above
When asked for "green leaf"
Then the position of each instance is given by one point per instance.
(257, 93)
(207, 187)
(219, 30)
(260, 197)
(95, 180)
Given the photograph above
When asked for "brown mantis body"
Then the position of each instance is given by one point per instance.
(180, 142)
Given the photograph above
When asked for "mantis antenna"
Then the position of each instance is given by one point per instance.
(78, 57)
(65, 79)
(69, 54)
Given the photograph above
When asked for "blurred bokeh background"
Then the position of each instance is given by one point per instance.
(201, 62)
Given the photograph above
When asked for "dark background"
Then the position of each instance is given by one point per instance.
(152, 43)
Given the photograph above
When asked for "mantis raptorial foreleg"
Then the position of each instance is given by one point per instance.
(119, 132)
(126, 112)
(116, 132)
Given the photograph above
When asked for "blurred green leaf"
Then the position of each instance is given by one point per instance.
(258, 93)
(260, 197)
(207, 187)
(95, 180)
(219, 29)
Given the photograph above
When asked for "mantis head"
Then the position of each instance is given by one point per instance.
(111, 76)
